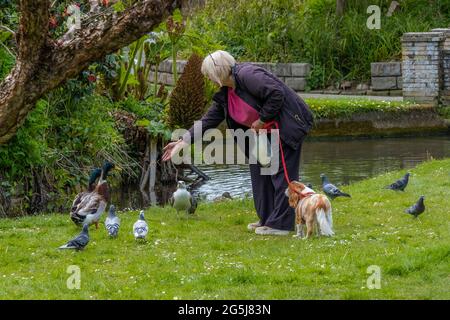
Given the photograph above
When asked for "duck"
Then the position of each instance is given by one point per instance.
(93, 204)
(95, 174)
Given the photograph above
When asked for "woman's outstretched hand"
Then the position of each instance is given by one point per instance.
(173, 148)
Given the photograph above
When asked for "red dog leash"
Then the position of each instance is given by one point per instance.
(268, 126)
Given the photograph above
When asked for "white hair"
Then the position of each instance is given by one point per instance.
(217, 66)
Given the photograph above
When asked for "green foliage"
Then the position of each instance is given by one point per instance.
(444, 111)
(187, 101)
(6, 63)
(67, 133)
(215, 257)
(343, 108)
(309, 31)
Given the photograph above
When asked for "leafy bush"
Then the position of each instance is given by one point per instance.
(61, 140)
(309, 31)
(6, 63)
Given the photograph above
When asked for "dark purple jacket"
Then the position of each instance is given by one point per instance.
(269, 96)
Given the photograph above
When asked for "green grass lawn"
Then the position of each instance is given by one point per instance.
(215, 257)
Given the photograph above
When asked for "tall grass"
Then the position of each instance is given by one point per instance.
(309, 31)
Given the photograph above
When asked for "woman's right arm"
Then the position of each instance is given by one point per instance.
(212, 118)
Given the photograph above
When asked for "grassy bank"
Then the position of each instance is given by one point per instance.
(328, 108)
(213, 256)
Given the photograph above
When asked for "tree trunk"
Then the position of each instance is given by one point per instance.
(340, 7)
(43, 64)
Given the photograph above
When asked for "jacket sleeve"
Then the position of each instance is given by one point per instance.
(264, 87)
(213, 117)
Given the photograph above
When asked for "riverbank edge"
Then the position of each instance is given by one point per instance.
(414, 120)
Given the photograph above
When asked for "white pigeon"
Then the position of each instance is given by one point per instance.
(182, 199)
(140, 227)
(112, 222)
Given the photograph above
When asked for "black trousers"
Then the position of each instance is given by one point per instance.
(271, 203)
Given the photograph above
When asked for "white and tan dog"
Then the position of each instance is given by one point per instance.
(311, 209)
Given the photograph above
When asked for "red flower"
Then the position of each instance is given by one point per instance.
(92, 78)
(52, 22)
(105, 2)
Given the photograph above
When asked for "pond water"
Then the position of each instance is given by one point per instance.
(343, 161)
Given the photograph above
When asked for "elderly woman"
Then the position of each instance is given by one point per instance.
(250, 97)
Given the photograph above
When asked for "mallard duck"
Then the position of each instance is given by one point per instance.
(93, 204)
(95, 174)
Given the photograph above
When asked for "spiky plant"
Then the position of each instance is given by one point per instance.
(187, 101)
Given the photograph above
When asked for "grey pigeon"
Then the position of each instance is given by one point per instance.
(182, 199)
(399, 184)
(140, 227)
(417, 208)
(112, 222)
(80, 241)
(330, 189)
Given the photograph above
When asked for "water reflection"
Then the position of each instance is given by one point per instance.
(343, 161)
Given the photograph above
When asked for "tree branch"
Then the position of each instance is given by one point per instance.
(43, 64)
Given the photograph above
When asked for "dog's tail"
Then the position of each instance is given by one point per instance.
(325, 218)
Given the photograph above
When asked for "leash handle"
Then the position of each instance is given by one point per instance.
(268, 126)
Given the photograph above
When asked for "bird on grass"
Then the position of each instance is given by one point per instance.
(80, 241)
(330, 189)
(112, 222)
(417, 208)
(140, 227)
(95, 174)
(92, 205)
(182, 200)
(400, 184)
(226, 196)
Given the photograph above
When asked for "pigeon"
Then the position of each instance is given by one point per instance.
(417, 208)
(400, 184)
(331, 190)
(112, 222)
(183, 200)
(80, 241)
(140, 227)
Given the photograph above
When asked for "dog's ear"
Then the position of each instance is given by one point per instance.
(296, 186)
(293, 199)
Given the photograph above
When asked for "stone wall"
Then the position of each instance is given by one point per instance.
(445, 65)
(293, 74)
(387, 78)
(422, 66)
